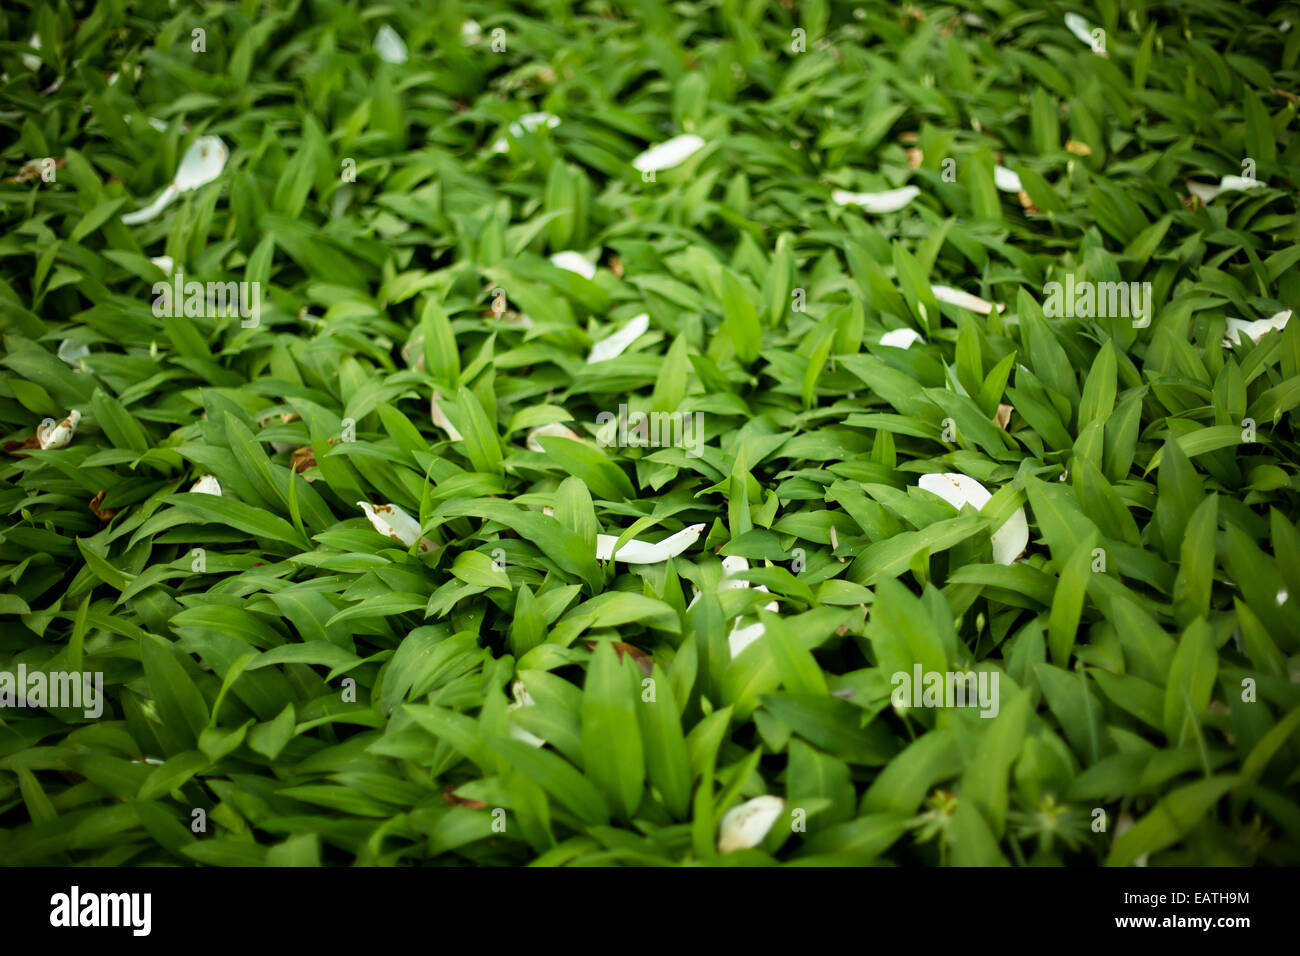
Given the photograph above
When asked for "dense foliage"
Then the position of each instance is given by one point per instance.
(283, 684)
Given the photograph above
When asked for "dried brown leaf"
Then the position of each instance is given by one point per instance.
(641, 658)
(450, 796)
(97, 509)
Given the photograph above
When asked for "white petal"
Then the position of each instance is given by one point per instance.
(154, 209)
(522, 699)
(643, 552)
(1010, 540)
(900, 338)
(574, 262)
(890, 200)
(667, 155)
(165, 263)
(441, 420)
(526, 736)
(202, 163)
(1230, 184)
(731, 565)
(1080, 27)
(549, 431)
(392, 522)
(58, 435)
(207, 485)
(525, 124)
(963, 299)
(746, 825)
(470, 32)
(741, 637)
(1255, 330)
(73, 352)
(1206, 192)
(613, 346)
(531, 121)
(1006, 180)
(33, 63)
(389, 46)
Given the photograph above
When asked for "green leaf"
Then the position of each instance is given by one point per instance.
(611, 738)
(1169, 820)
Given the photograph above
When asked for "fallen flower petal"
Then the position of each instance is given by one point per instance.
(155, 208)
(643, 552)
(1255, 330)
(1010, 540)
(964, 299)
(73, 352)
(613, 346)
(51, 435)
(668, 154)
(901, 338)
(33, 63)
(733, 564)
(525, 124)
(746, 825)
(1082, 29)
(201, 164)
(1006, 180)
(32, 169)
(392, 522)
(441, 420)
(549, 431)
(730, 566)
(1230, 184)
(522, 699)
(389, 45)
(574, 262)
(206, 485)
(741, 637)
(890, 200)
(1206, 192)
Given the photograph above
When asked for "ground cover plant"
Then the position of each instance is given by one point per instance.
(585, 433)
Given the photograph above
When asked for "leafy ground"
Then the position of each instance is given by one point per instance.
(323, 694)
